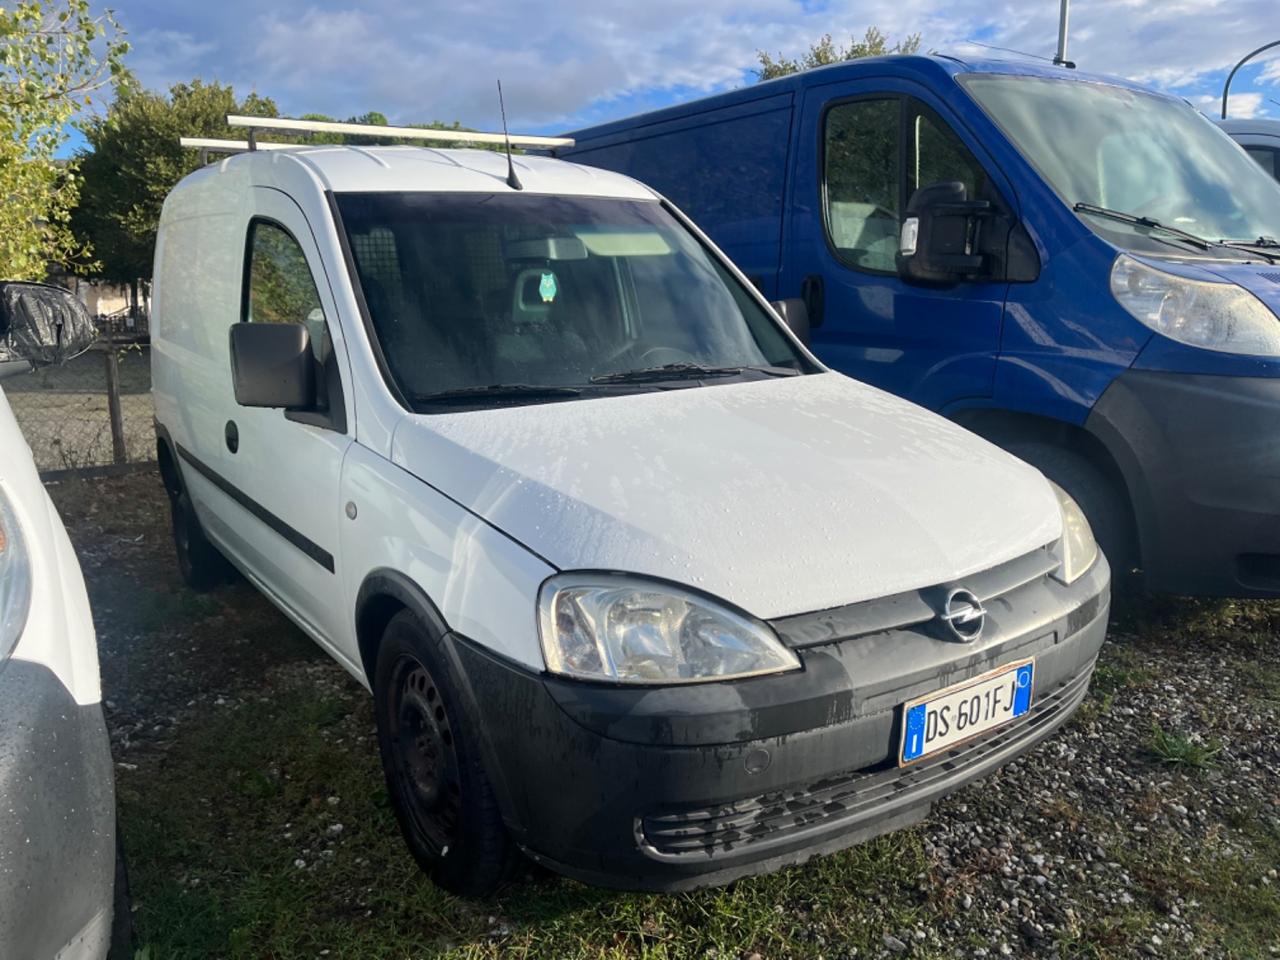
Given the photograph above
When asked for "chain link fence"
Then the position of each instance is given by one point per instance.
(94, 411)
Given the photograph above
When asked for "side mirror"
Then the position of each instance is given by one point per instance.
(942, 234)
(42, 324)
(795, 315)
(272, 366)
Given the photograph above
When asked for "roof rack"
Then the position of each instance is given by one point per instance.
(284, 124)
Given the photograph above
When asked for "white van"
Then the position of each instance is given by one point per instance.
(639, 587)
(63, 892)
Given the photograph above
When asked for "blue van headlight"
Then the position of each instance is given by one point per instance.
(15, 579)
(1217, 316)
(627, 629)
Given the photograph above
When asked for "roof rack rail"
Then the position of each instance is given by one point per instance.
(286, 125)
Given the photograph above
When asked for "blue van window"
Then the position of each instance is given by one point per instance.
(862, 172)
(1267, 158)
(938, 156)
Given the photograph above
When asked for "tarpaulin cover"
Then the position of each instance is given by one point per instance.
(42, 324)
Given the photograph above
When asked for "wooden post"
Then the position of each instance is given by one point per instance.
(119, 451)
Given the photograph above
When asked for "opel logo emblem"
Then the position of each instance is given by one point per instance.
(964, 615)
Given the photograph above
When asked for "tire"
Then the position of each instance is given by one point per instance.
(1105, 506)
(439, 790)
(201, 565)
(121, 947)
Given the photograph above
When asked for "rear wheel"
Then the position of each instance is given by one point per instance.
(201, 565)
(1105, 506)
(439, 790)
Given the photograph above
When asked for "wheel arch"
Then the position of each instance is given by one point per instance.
(167, 461)
(1006, 428)
(383, 593)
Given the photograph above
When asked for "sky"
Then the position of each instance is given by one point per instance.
(571, 63)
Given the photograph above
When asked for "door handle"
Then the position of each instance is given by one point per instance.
(812, 293)
(232, 434)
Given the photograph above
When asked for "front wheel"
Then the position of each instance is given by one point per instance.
(439, 790)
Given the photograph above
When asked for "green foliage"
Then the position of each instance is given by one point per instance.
(134, 160)
(53, 55)
(874, 43)
(1179, 750)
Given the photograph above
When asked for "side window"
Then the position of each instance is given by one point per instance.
(280, 288)
(938, 156)
(862, 181)
(1267, 158)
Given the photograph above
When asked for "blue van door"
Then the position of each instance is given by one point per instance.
(864, 148)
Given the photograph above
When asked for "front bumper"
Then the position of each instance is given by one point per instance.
(678, 787)
(57, 820)
(1201, 458)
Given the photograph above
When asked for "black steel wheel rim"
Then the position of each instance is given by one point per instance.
(425, 755)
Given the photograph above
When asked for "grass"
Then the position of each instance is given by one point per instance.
(216, 825)
(1180, 750)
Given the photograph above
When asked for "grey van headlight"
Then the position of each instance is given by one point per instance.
(1217, 316)
(628, 629)
(1076, 549)
(15, 579)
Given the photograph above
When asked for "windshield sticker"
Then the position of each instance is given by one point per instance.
(547, 288)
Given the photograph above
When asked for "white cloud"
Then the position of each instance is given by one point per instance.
(439, 60)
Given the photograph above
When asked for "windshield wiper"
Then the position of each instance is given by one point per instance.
(1263, 247)
(1138, 221)
(688, 371)
(497, 391)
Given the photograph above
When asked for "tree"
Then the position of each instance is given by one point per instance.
(53, 55)
(874, 43)
(134, 160)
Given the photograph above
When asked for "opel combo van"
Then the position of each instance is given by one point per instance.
(1082, 270)
(638, 585)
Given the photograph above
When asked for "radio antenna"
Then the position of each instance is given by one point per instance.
(512, 180)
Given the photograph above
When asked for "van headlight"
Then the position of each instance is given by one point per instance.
(1076, 549)
(627, 629)
(15, 579)
(1217, 316)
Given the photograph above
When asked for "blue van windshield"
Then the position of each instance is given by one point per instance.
(1135, 152)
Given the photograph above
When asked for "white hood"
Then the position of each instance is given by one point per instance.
(782, 496)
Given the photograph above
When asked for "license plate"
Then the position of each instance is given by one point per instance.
(945, 718)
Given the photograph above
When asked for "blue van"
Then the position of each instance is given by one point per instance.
(1076, 267)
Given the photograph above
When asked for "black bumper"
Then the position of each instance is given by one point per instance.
(679, 787)
(1201, 459)
(57, 819)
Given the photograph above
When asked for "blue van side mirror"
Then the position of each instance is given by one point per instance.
(941, 234)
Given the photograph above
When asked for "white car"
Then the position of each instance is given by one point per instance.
(639, 587)
(61, 881)
(1260, 138)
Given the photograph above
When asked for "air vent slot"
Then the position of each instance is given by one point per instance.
(1272, 276)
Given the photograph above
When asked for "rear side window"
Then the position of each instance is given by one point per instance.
(1268, 159)
(863, 181)
(279, 285)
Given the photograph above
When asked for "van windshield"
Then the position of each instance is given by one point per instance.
(481, 299)
(1137, 153)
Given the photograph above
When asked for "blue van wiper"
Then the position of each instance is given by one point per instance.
(1139, 221)
(688, 371)
(1266, 247)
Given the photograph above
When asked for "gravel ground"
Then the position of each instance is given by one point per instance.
(1149, 826)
